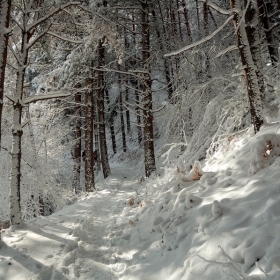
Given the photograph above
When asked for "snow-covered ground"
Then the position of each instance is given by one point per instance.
(224, 226)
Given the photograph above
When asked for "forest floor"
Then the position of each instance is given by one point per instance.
(222, 225)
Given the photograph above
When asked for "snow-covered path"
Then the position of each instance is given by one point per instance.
(74, 243)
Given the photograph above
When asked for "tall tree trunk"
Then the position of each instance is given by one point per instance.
(101, 112)
(252, 21)
(112, 114)
(150, 165)
(121, 111)
(33, 145)
(5, 7)
(187, 23)
(179, 20)
(197, 15)
(89, 163)
(206, 33)
(78, 144)
(128, 126)
(265, 10)
(250, 69)
(15, 208)
(135, 84)
(163, 50)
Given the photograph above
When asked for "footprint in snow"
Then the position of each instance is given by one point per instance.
(49, 257)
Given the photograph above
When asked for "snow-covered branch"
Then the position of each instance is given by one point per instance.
(228, 49)
(65, 39)
(219, 9)
(207, 38)
(52, 13)
(45, 97)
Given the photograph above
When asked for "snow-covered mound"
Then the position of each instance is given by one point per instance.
(222, 224)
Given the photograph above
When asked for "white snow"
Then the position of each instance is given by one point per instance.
(221, 222)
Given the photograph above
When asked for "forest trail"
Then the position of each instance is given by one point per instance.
(74, 243)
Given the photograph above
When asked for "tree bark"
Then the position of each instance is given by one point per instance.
(161, 46)
(187, 23)
(252, 21)
(78, 144)
(271, 44)
(135, 84)
(101, 112)
(249, 68)
(5, 8)
(15, 208)
(112, 114)
(128, 126)
(89, 163)
(150, 165)
(121, 111)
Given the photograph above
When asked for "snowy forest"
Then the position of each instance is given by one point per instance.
(139, 139)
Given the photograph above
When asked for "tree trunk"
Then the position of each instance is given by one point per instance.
(121, 111)
(250, 69)
(187, 23)
(165, 62)
(15, 208)
(78, 144)
(96, 136)
(271, 44)
(89, 164)
(150, 165)
(101, 112)
(179, 20)
(128, 126)
(5, 7)
(112, 114)
(252, 21)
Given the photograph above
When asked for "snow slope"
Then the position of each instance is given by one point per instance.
(224, 226)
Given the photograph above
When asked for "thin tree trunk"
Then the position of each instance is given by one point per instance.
(33, 145)
(271, 44)
(89, 163)
(135, 84)
(206, 33)
(96, 135)
(187, 23)
(112, 114)
(252, 28)
(15, 208)
(150, 165)
(101, 112)
(197, 15)
(78, 144)
(121, 111)
(161, 46)
(179, 20)
(41, 203)
(5, 7)
(128, 126)
(249, 67)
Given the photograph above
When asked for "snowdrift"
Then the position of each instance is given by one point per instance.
(224, 225)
